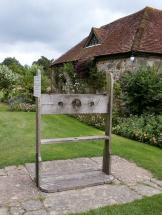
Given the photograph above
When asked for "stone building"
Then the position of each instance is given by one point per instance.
(122, 45)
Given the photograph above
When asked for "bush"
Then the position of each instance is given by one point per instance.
(80, 78)
(142, 90)
(96, 120)
(94, 79)
(26, 83)
(26, 107)
(144, 128)
(8, 81)
(67, 80)
(21, 104)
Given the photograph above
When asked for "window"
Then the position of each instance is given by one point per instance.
(93, 41)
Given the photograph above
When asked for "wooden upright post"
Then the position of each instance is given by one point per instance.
(108, 127)
(73, 104)
(38, 136)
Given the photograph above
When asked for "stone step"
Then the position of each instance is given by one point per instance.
(74, 181)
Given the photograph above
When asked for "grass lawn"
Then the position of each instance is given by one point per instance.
(17, 141)
(17, 146)
(146, 206)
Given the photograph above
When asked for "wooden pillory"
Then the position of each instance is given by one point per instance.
(73, 104)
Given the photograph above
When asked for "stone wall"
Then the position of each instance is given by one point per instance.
(119, 65)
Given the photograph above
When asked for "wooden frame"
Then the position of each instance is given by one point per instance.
(75, 104)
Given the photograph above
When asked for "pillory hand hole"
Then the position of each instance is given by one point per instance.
(76, 103)
(60, 104)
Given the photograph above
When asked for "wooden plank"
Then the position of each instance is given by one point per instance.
(38, 137)
(108, 127)
(73, 139)
(73, 103)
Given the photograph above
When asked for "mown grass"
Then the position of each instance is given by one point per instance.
(17, 141)
(146, 206)
(3, 107)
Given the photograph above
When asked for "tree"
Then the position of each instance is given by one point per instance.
(45, 63)
(142, 90)
(14, 65)
(26, 83)
(10, 60)
(8, 80)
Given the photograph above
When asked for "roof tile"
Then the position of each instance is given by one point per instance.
(141, 31)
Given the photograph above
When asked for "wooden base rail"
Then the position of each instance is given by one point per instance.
(73, 139)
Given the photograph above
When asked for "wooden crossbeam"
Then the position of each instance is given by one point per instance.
(73, 139)
(73, 103)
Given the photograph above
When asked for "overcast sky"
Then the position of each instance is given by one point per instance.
(32, 28)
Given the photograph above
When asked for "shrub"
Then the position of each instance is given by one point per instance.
(13, 64)
(21, 104)
(93, 78)
(80, 78)
(144, 128)
(96, 120)
(67, 80)
(8, 80)
(142, 90)
(26, 83)
(18, 106)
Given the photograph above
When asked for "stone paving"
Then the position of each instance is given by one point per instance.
(18, 194)
(71, 174)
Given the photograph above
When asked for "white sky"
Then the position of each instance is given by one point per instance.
(32, 28)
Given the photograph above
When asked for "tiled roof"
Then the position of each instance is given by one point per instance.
(139, 32)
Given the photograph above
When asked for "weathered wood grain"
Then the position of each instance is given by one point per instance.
(73, 103)
(38, 138)
(108, 126)
(73, 139)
